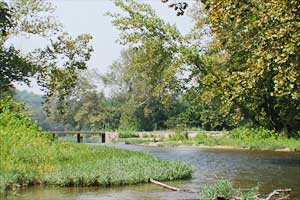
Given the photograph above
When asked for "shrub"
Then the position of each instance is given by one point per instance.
(225, 188)
(178, 137)
(258, 133)
(127, 134)
(201, 138)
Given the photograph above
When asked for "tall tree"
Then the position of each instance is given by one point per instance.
(86, 107)
(13, 66)
(157, 43)
(259, 78)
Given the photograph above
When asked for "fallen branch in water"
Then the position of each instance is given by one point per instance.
(271, 196)
(168, 186)
(277, 192)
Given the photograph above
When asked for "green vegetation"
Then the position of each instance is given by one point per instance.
(35, 17)
(30, 156)
(178, 137)
(251, 72)
(224, 188)
(245, 75)
(259, 138)
(139, 141)
(128, 134)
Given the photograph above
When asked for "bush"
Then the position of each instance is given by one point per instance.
(258, 133)
(178, 137)
(201, 138)
(127, 134)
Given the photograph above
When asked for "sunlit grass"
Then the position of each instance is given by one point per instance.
(30, 156)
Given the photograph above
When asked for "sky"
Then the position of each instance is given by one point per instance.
(88, 16)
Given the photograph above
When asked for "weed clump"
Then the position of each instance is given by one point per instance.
(225, 188)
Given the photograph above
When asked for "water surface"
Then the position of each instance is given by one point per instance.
(270, 170)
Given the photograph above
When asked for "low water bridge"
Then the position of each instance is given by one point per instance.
(79, 134)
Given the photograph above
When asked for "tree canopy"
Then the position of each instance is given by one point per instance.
(55, 67)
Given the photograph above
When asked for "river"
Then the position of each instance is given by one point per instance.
(268, 169)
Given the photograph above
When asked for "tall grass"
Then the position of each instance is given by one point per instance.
(127, 133)
(29, 156)
(225, 188)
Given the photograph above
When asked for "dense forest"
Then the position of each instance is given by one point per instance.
(247, 74)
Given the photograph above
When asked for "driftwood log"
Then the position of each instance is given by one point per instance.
(164, 185)
(169, 187)
(278, 192)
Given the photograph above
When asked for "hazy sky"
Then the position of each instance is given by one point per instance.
(87, 16)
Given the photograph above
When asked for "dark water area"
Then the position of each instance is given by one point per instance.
(268, 169)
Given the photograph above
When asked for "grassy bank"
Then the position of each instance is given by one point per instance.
(259, 138)
(29, 156)
(251, 138)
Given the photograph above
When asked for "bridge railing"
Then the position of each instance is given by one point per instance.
(79, 134)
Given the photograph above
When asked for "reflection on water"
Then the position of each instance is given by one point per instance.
(271, 170)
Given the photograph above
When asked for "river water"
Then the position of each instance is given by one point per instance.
(270, 170)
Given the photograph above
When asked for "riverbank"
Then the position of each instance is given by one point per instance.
(184, 144)
(241, 138)
(32, 157)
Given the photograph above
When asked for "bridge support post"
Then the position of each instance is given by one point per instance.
(78, 137)
(102, 136)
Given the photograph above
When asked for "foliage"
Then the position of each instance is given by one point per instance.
(177, 137)
(14, 67)
(138, 141)
(222, 188)
(155, 44)
(34, 107)
(258, 77)
(127, 133)
(201, 138)
(86, 108)
(33, 17)
(5, 20)
(249, 138)
(259, 133)
(57, 66)
(225, 188)
(149, 69)
(29, 156)
(139, 108)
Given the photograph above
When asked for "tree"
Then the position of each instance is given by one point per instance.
(56, 67)
(5, 20)
(259, 77)
(14, 67)
(154, 68)
(86, 108)
(157, 44)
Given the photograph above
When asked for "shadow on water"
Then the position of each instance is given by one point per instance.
(246, 169)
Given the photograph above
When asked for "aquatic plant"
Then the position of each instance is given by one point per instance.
(225, 189)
